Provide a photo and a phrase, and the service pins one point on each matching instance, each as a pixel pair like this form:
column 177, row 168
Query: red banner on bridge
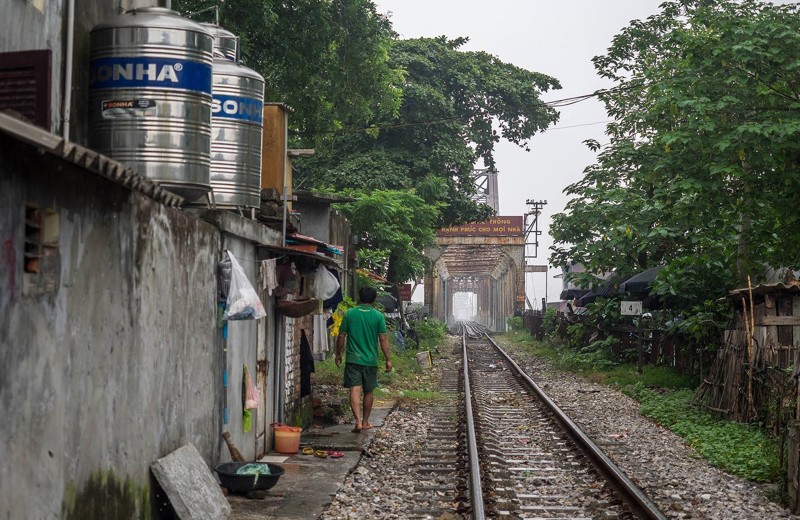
column 496, row 226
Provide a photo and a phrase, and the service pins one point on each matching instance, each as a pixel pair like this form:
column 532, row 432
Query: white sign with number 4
column 631, row 308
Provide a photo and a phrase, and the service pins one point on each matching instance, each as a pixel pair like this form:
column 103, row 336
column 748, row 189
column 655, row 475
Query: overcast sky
column 554, row 38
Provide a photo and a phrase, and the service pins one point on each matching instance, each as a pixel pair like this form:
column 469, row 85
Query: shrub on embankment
column 666, row 397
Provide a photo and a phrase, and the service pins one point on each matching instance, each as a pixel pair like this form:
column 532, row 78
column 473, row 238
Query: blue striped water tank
column 150, row 97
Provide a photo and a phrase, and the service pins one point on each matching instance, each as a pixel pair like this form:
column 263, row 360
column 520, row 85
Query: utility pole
column 532, row 234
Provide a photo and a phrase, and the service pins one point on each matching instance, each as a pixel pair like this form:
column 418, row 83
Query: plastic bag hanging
column 249, row 400
column 322, row 283
column 250, row 391
column 243, row 301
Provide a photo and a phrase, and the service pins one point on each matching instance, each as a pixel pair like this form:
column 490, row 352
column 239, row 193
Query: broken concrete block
column 190, row 486
column 424, row 360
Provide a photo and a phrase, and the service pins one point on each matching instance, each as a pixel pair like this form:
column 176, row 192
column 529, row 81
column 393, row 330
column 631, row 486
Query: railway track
column 523, row 457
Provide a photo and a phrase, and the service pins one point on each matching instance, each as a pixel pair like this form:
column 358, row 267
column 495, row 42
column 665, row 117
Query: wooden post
column 640, row 367
column 748, row 328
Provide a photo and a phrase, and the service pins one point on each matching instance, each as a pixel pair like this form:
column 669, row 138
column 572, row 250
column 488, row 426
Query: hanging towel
column 268, row 274
column 320, row 336
column 306, row 364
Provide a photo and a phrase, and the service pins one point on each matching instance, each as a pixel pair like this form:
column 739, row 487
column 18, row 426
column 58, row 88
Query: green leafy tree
column 399, row 121
column 701, row 171
column 394, row 227
column 327, row 59
column 456, row 106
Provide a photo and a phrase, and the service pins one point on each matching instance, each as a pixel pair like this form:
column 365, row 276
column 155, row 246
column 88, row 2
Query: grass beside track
column 407, row 379
column 665, row 396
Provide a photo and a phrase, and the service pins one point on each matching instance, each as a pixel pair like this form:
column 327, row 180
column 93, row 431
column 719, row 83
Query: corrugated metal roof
column 765, row 288
column 87, row 159
column 296, row 252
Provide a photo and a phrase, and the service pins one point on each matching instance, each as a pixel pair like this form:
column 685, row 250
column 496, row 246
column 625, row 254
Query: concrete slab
column 190, row 486
column 340, row 437
column 309, row 483
column 275, row 459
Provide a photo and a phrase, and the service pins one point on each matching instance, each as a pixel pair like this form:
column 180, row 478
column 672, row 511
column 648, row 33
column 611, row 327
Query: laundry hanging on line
column 268, row 275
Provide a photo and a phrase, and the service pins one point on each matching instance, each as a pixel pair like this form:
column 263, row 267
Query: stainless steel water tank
column 226, row 44
column 150, row 97
column 236, row 131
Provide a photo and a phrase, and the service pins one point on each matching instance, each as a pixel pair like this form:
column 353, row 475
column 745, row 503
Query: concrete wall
column 114, row 362
column 315, row 219
column 88, row 13
column 240, row 349
column 27, row 25
column 297, row 409
column 246, row 339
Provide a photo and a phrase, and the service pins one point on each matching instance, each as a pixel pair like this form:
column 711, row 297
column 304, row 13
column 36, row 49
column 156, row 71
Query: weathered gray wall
column 88, row 13
column 241, row 350
column 119, row 363
column 27, row 25
column 314, row 219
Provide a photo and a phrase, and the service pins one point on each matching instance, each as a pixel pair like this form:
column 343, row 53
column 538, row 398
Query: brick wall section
column 292, row 341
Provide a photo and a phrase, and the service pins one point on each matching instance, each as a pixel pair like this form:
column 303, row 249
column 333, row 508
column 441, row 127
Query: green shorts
column 360, row 375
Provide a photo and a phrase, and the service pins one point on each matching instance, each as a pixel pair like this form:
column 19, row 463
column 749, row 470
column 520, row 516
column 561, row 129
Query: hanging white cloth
column 268, row 275
column 320, row 343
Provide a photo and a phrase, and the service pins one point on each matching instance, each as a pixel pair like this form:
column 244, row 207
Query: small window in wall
column 42, row 263
column 33, row 239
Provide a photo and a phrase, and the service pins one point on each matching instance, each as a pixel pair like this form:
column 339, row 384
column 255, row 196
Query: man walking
column 363, row 328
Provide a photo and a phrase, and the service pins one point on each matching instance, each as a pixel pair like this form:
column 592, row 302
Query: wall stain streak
column 10, row 259
column 107, row 497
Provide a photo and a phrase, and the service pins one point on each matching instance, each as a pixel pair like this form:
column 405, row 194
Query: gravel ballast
column 680, row 483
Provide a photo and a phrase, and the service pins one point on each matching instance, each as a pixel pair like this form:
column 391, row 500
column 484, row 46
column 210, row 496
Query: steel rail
column 475, row 486
column 634, row 497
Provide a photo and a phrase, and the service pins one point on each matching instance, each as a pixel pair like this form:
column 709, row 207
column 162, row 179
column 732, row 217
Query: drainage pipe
column 67, row 106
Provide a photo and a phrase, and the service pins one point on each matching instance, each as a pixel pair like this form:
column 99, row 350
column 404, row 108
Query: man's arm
column 340, row 341
column 387, row 351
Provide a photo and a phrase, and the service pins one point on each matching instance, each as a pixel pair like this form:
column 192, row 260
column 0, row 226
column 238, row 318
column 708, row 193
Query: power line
column 557, row 103
column 578, row 125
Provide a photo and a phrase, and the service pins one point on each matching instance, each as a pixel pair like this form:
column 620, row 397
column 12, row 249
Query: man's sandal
column 308, row 450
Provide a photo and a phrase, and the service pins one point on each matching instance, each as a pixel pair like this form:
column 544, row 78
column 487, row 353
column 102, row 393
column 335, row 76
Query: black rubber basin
column 246, row 483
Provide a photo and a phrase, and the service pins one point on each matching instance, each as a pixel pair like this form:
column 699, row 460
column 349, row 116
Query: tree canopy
column 394, row 228
column 401, row 121
column 701, row 169
column 326, row 59
column 456, row 106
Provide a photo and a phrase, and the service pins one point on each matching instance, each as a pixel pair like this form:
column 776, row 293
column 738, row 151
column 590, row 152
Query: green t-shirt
column 362, row 325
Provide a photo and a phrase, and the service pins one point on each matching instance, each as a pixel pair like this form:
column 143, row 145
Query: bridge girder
column 490, row 267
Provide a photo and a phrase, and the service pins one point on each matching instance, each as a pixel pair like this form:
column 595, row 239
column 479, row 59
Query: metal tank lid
column 225, row 66
column 226, row 44
column 219, row 32
column 152, row 17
